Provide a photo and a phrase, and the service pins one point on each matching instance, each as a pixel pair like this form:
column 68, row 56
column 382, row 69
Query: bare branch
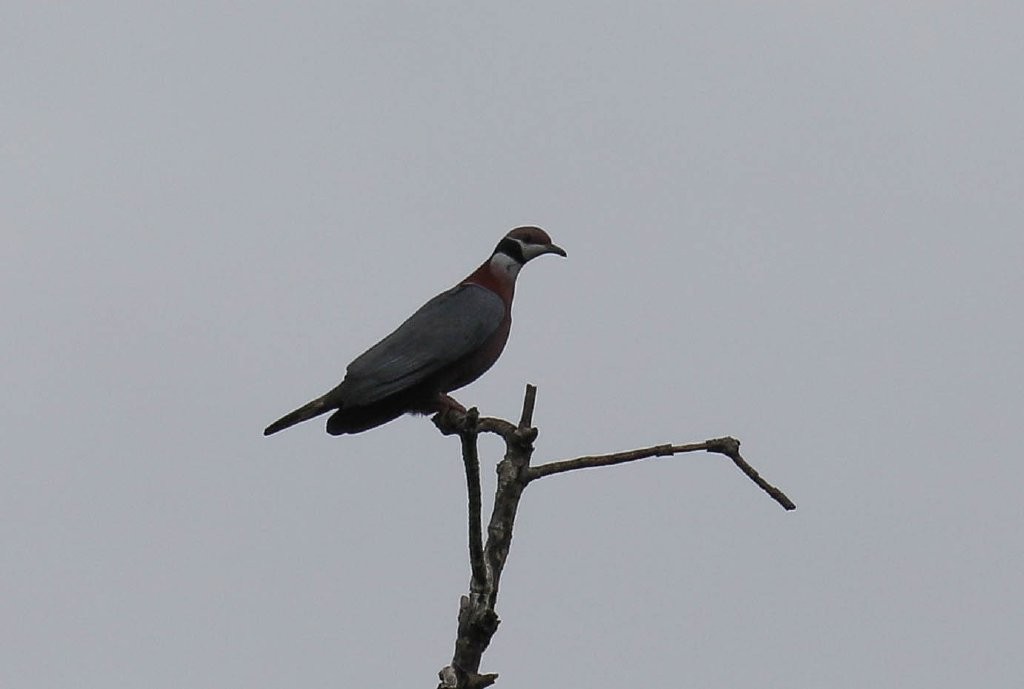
column 730, row 447
column 496, row 426
column 451, row 678
column 592, row 461
column 529, row 402
column 512, row 480
column 453, row 422
column 477, row 619
column 471, row 459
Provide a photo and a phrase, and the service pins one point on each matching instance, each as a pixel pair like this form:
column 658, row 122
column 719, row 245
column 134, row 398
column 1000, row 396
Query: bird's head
column 525, row 243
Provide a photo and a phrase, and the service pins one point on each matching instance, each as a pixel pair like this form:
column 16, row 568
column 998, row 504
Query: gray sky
column 795, row 223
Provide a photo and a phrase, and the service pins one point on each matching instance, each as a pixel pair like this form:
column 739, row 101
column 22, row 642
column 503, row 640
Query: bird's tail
column 307, row 411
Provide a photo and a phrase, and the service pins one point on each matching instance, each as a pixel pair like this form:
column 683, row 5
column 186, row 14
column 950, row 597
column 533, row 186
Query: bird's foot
column 450, row 414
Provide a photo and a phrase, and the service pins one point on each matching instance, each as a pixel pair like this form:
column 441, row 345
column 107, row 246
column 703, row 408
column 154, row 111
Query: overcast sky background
column 796, row 223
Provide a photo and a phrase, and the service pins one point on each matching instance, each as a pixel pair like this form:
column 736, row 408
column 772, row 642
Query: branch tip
column 730, row 447
column 529, row 402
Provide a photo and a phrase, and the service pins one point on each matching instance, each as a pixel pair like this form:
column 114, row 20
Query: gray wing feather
column 446, row 329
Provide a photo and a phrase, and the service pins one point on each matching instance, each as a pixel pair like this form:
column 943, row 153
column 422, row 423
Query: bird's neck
column 498, row 274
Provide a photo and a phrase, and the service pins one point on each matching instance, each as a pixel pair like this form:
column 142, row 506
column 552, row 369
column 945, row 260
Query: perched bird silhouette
column 447, row 344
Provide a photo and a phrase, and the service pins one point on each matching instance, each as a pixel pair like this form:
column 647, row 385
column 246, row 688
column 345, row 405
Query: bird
column 448, row 343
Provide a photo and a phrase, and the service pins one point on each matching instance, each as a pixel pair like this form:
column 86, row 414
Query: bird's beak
column 555, row 249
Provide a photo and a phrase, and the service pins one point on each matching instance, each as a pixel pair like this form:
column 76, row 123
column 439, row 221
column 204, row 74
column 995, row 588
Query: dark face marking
column 512, row 249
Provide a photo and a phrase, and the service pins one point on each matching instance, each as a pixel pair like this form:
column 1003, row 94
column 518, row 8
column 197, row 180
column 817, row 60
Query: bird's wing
column 446, row 329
